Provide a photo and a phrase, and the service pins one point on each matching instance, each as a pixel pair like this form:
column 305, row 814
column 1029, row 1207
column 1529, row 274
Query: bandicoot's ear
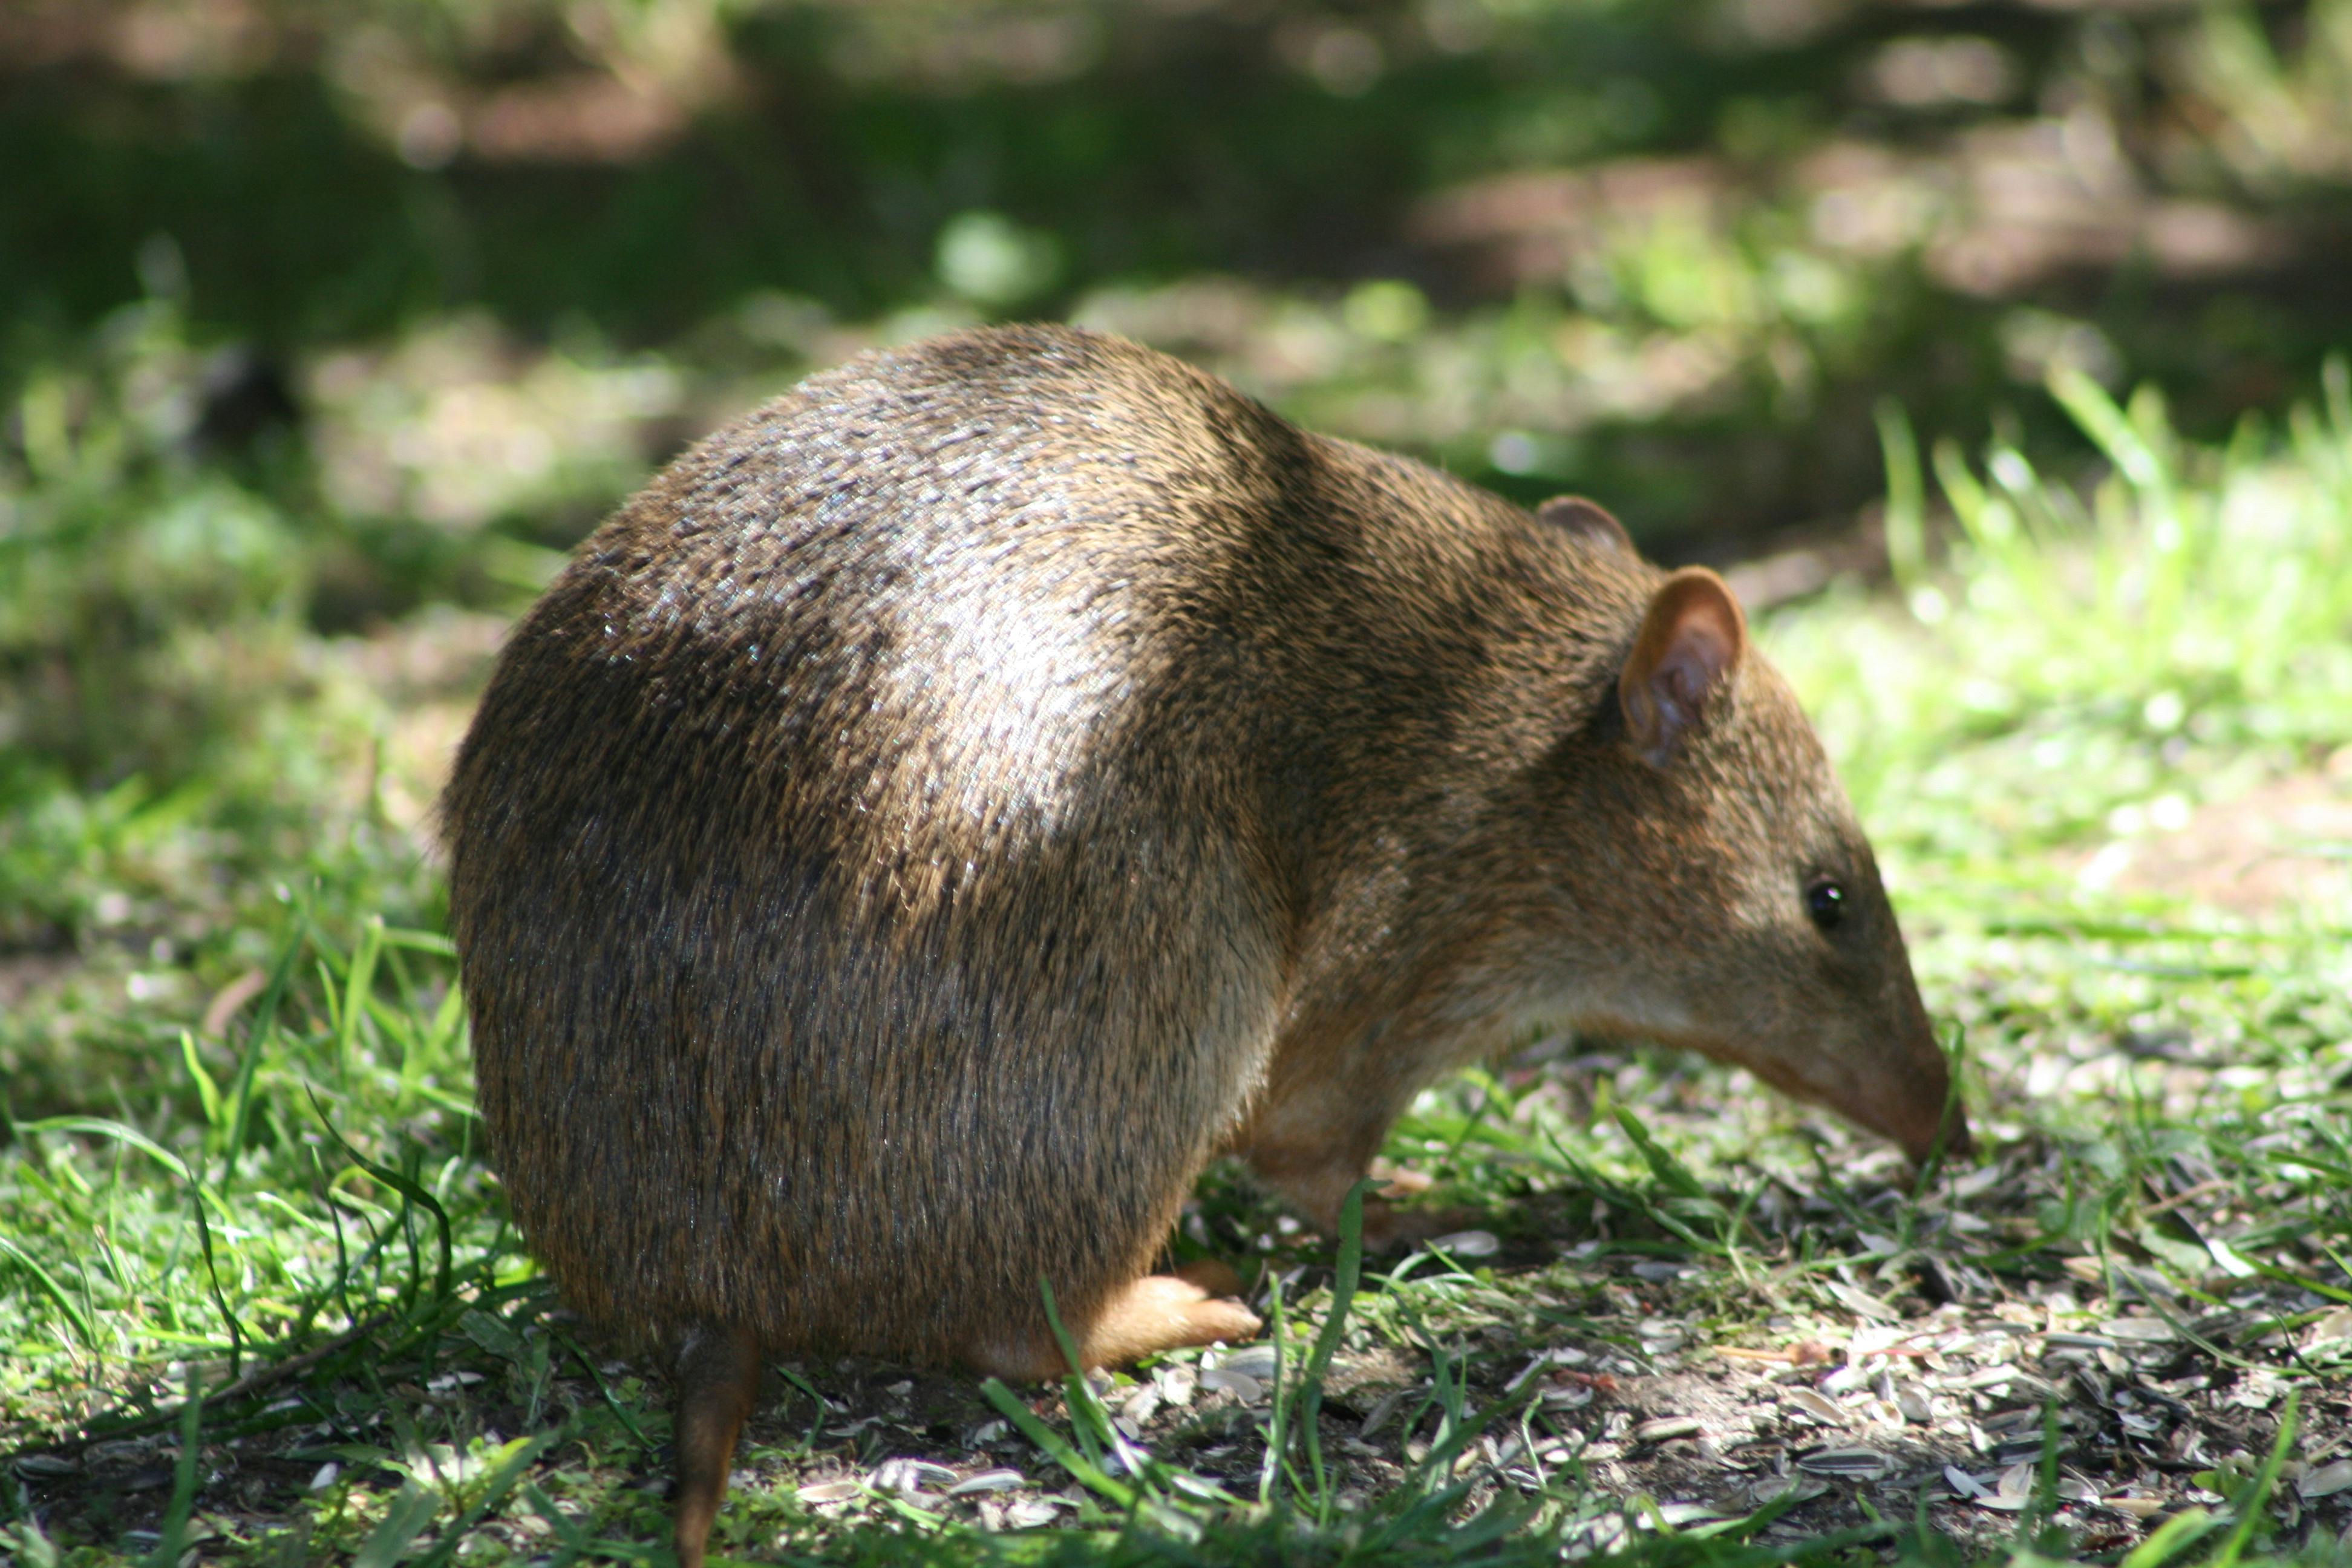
column 1588, row 521
column 1690, row 645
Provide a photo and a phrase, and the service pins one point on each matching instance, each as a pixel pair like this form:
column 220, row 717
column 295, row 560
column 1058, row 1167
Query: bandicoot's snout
column 1876, row 1064
column 1914, row 1109
column 1904, row 1093
column 1903, row 1096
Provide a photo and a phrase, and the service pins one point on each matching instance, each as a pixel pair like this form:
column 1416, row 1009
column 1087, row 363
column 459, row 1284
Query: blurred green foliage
column 1829, row 195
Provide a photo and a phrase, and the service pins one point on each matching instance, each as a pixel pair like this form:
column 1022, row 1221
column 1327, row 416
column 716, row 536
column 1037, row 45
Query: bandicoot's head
column 1717, row 889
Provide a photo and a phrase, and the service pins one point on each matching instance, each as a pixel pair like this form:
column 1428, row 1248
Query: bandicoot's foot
column 1161, row 1312
column 1157, row 1312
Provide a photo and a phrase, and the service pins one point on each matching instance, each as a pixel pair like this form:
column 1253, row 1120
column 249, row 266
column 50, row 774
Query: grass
column 259, row 1300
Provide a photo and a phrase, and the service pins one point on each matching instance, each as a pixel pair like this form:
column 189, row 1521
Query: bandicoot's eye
column 1825, row 901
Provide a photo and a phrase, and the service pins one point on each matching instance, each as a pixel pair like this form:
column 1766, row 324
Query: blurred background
column 327, row 325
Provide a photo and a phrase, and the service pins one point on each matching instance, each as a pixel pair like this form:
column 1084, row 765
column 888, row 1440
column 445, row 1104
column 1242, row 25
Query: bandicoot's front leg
column 1311, row 1148
column 1316, row 1194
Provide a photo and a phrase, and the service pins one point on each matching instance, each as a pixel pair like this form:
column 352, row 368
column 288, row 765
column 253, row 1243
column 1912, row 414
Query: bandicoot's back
column 940, row 812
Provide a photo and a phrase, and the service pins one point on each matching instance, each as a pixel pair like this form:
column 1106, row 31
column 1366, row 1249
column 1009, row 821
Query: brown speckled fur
column 943, row 810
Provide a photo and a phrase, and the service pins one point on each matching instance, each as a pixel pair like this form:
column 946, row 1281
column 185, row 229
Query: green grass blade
column 208, row 1094
column 1055, row 1446
column 2252, row 1502
column 1089, row 1423
column 265, row 1022
column 2174, row 1536
column 1906, row 495
column 1345, row 1280
column 212, row 1275
column 174, row 1526
column 408, row 1189
column 2097, row 416
column 1278, row 1425
column 413, row 1508
column 83, row 1328
column 358, row 986
column 99, row 1127
column 519, row 1456
column 1671, row 1173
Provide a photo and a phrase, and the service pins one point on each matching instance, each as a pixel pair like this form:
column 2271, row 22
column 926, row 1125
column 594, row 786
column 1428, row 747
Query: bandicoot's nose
column 1905, row 1090
column 1913, row 1105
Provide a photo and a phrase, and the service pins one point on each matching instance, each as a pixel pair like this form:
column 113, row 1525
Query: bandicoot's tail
column 717, row 1377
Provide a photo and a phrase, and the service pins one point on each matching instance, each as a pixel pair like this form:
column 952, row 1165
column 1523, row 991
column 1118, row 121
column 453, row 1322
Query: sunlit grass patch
column 2074, row 662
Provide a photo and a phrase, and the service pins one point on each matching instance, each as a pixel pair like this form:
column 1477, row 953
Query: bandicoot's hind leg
column 1157, row 1312
column 717, row 1376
